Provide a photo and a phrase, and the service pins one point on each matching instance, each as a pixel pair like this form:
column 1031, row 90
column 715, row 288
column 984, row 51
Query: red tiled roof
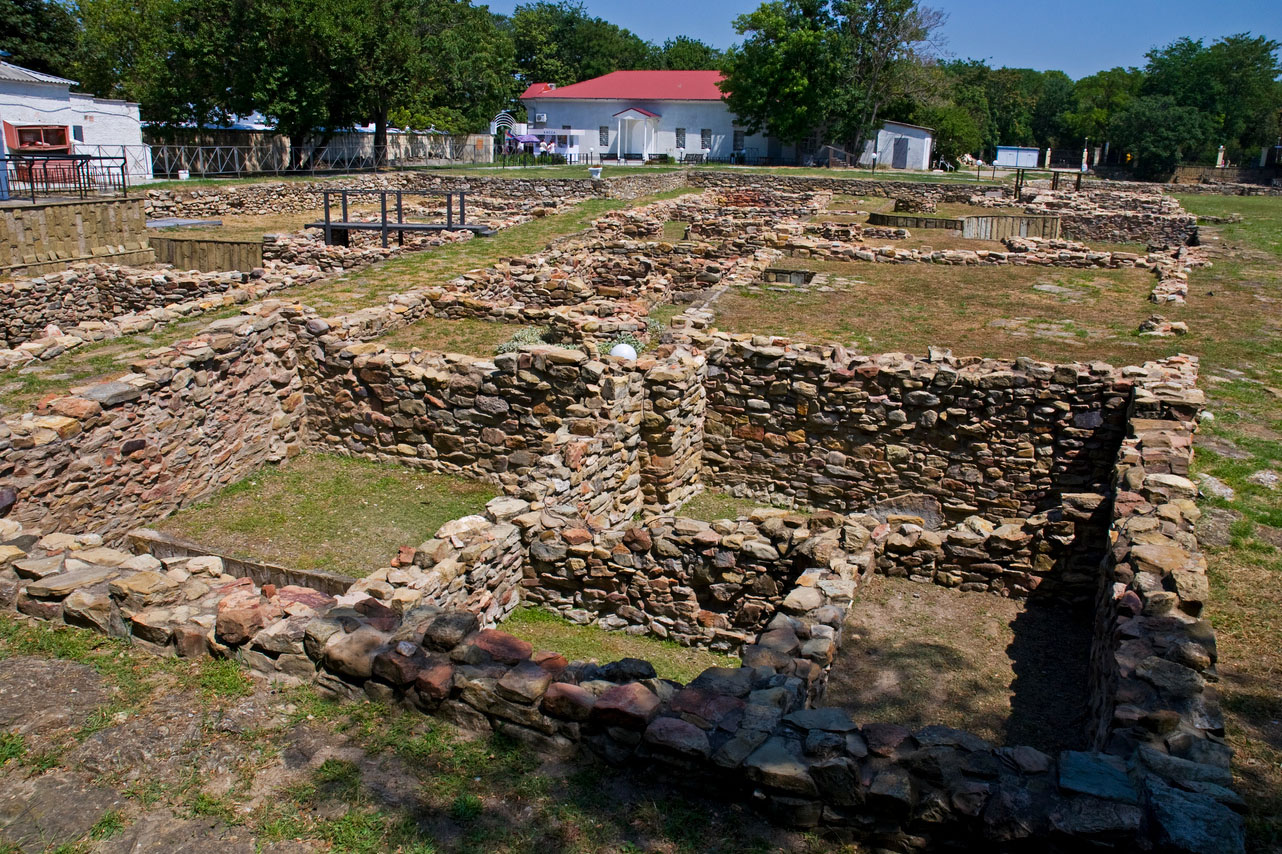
column 638, row 86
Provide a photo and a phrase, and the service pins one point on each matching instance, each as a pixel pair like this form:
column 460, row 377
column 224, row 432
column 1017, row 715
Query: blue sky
column 1079, row 38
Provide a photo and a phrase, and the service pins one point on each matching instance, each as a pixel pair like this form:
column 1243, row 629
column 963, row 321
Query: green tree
column 561, row 43
column 1160, row 134
column 808, row 67
column 1100, row 97
column 880, row 43
column 782, row 79
column 39, row 34
column 1234, row 81
column 171, row 56
column 684, row 54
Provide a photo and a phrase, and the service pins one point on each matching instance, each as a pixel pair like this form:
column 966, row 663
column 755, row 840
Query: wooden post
column 329, row 232
column 345, row 206
column 462, row 208
column 383, row 196
column 449, row 210
column 400, row 220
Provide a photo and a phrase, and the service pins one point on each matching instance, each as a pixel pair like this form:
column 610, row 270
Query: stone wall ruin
column 1023, row 479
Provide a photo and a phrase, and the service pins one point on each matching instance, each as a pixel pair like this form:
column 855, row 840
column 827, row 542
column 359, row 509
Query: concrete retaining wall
column 46, row 237
column 187, row 253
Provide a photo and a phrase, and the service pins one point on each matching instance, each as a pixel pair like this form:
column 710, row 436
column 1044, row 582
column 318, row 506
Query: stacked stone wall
column 819, row 427
column 93, row 297
column 938, row 192
column 186, row 422
column 260, row 199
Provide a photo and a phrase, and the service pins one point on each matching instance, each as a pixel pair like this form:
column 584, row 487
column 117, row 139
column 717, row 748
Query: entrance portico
column 626, row 139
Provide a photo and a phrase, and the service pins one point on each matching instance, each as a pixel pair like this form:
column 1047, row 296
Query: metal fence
column 354, row 153
column 35, row 176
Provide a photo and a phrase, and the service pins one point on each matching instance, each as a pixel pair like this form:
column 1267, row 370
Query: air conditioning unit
column 540, row 117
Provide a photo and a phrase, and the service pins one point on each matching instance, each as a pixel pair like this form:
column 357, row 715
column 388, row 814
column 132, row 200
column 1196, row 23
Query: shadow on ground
column 917, row 654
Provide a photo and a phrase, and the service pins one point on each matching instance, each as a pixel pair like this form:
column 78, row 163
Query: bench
column 692, row 158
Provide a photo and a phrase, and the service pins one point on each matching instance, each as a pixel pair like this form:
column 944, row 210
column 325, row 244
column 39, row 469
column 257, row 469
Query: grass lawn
column 371, row 285
column 21, row 388
column 467, row 335
column 548, row 630
column 713, row 504
column 1242, row 376
column 1047, row 313
column 320, row 511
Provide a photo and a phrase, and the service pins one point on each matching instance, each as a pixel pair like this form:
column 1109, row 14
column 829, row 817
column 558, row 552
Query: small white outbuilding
column 41, row 115
column 900, row 146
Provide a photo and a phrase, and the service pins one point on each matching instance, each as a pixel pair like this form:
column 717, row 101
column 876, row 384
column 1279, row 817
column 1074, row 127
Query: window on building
column 78, row 133
column 42, row 138
column 738, row 140
column 605, row 136
column 681, row 137
column 705, row 138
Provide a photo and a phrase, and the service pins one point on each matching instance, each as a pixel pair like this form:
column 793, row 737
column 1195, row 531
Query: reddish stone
column 678, row 736
column 747, row 431
column 435, row 681
column 632, row 706
column 232, row 586
column 500, row 646
column 292, row 594
column 576, row 536
column 399, row 665
column 191, row 641
column 404, row 556
column 378, row 615
column 76, row 407
column 567, row 701
column 553, row 662
column 885, row 739
column 269, row 590
column 638, row 539
column 706, row 707
column 240, row 615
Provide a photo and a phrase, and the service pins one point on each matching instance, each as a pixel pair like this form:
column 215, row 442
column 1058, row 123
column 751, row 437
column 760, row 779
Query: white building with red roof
column 638, row 115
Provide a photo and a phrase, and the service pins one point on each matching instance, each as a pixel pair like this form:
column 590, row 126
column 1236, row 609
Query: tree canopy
column 825, row 69
column 805, row 70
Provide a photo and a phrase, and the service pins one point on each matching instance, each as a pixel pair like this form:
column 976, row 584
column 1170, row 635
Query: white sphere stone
column 624, row 351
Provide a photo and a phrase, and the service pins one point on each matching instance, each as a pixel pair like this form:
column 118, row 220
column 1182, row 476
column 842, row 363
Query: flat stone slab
column 111, row 394
column 163, row 833
column 38, row 694
column 44, row 813
column 65, row 583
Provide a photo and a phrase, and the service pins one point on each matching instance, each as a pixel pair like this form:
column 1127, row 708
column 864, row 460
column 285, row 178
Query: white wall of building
column 900, row 147
column 1014, row 155
column 106, row 124
column 589, row 116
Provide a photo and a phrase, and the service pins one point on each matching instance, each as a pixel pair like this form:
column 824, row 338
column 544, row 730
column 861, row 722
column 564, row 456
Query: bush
column 523, row 338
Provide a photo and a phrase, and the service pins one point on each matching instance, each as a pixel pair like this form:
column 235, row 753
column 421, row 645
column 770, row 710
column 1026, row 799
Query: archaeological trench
column 1059, row 483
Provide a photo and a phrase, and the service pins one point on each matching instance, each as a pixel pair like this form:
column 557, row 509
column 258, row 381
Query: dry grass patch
column 467, row 335
column 1048, row 313
column 320, row 511
column 917, row 654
